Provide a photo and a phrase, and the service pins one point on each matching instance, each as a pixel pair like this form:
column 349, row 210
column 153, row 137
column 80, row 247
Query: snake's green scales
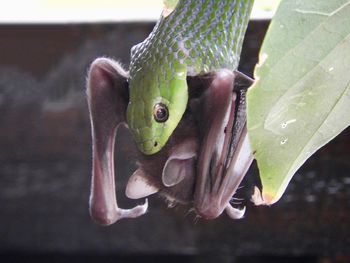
column 199, row 36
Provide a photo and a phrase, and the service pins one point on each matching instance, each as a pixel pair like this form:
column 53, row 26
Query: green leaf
column 169, row 7
column 170, row 4
column 301, row 98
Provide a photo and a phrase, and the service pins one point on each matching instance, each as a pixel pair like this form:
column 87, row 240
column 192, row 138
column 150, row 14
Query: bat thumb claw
column 235, row 213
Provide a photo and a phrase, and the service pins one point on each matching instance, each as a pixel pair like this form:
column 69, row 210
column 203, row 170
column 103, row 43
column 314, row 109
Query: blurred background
column 46, row 48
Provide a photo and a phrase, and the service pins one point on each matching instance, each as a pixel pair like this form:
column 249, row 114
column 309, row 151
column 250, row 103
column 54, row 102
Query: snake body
column 197, row 37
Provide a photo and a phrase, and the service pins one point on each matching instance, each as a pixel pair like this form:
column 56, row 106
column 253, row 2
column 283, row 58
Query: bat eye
column 160, row 112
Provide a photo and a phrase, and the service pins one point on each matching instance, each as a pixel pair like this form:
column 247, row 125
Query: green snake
column 197, row 37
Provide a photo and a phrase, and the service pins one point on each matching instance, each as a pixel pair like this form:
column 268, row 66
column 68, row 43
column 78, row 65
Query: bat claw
column 111, row 216
column 134, row 212
column 235, row 213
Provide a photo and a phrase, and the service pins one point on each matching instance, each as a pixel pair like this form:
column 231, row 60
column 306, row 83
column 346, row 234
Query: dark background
column 45, row 164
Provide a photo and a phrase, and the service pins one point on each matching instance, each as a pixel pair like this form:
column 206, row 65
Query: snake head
column 156, row 106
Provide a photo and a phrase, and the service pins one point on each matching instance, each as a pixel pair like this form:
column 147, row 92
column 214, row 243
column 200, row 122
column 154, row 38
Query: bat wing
column 107, row 92
column 224, row 154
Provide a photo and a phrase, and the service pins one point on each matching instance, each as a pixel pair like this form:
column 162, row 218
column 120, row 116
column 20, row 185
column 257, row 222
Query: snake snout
column 150, row 146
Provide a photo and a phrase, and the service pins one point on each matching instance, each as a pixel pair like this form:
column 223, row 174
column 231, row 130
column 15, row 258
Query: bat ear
column 175, row 170
column 180, row 163
column 139, row 185
column 107, row 92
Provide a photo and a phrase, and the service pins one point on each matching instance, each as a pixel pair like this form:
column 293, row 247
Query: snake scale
column 197, row 37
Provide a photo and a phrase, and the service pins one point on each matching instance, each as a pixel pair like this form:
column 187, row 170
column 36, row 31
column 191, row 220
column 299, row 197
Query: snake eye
column 160, row 112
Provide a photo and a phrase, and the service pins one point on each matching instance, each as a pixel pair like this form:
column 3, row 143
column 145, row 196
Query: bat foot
column 235, row 213
column 112, row 215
